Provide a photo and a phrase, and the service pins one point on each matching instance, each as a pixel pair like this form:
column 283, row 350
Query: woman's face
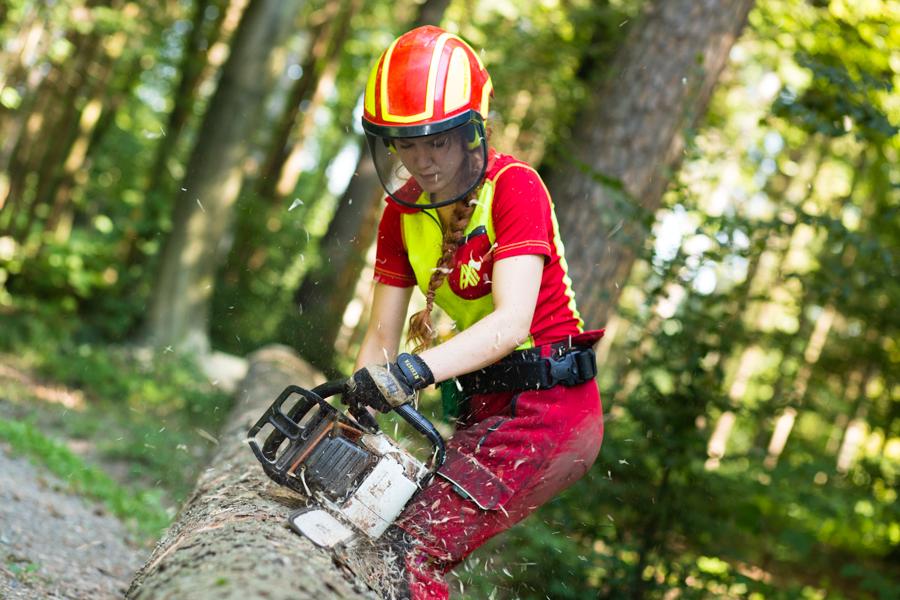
column 436, row 162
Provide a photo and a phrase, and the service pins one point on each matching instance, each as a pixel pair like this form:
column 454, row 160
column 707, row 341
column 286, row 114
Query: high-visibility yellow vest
column 423, row 237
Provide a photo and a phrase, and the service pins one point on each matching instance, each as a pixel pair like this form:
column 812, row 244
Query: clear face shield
column 446, row 166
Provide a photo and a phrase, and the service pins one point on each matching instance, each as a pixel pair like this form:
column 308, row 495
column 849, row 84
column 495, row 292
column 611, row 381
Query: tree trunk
column 63, row 214
column 327, row 289
column 49, row 129
column 327, row 39
column 289, row 168
column 17, row 60
column 193, row 63
column 196, row 67
column 179, row 308
column 103, row 93
column 630, row 136
column 230, row 539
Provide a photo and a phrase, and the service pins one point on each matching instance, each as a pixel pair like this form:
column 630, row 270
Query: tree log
column 231, row 538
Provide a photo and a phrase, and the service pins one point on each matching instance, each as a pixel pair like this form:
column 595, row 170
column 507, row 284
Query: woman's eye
column 439, row 143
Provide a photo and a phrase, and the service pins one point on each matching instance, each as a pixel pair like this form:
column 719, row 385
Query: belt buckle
column 564, row 369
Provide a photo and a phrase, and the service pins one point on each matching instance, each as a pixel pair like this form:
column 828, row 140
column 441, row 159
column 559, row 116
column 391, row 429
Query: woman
column 475, row 230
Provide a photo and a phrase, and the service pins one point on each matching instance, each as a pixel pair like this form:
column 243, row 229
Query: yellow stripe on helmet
column 370, row 86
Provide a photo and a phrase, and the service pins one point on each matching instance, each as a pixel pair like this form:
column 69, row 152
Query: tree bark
column 609, row 179
column 230, row 539
column 179, row 307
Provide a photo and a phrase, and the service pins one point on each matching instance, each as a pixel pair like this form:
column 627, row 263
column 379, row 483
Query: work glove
column 385, row 387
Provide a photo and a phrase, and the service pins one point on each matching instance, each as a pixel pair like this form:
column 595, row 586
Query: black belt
column 527, row 370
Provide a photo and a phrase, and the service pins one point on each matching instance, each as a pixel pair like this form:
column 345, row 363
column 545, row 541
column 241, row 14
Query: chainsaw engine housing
column 356, row 477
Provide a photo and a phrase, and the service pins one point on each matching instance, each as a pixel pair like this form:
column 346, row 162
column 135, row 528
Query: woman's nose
column 422, row 158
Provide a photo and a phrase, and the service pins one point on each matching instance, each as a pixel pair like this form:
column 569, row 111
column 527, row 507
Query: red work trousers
column 512, row 454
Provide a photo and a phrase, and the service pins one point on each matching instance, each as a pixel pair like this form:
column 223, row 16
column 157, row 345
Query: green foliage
column 153, row 415
column 161, row 383
column 100, row 266
column 167, row 384
column 784, row 217
column 654, row 519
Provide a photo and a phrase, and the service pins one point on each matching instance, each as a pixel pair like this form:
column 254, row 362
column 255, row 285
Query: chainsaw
column 358, row 478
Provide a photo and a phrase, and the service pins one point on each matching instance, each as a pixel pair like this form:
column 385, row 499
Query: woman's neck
column 446, row 215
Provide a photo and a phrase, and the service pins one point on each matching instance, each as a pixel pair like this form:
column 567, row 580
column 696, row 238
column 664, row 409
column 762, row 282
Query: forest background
column 187, row 177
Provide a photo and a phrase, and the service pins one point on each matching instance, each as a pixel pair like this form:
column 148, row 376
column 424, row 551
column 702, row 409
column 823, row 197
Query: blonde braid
column 421, row 333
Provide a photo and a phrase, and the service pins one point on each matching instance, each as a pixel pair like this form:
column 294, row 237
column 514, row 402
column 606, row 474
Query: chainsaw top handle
column 286, row 424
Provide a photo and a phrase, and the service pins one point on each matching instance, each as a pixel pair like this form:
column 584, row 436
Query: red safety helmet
column 428, row 82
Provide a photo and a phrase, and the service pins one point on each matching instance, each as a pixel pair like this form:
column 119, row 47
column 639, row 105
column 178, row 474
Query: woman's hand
column 385, row 387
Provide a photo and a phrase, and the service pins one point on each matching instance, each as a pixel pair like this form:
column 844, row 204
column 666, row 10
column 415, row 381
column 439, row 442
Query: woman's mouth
column 428, row 178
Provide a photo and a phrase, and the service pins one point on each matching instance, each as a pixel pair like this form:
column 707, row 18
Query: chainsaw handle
column 409, row 414
column 330, row 388
column 424, row 426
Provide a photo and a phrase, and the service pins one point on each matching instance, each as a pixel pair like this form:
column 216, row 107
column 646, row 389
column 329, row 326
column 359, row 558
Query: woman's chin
column 436, row 190
column 429, row 185
column 433, row 190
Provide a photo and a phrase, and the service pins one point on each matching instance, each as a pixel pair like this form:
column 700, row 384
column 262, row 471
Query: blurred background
column 183, row 179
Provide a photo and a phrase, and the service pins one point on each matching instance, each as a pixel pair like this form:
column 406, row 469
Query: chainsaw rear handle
column 285, row 428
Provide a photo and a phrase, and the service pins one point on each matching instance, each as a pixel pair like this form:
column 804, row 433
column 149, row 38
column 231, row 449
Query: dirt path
column 54, row 544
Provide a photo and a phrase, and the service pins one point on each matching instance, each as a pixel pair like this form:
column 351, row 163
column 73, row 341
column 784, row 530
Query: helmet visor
column 444, row 167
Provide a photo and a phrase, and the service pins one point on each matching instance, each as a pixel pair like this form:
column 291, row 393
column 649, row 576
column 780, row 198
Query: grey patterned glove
column 385, row 387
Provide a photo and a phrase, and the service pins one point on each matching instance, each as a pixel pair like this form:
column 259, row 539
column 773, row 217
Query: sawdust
column 378, row 564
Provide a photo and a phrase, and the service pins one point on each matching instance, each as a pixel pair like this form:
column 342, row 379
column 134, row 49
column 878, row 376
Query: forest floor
column 55, row 543
column 56, row 540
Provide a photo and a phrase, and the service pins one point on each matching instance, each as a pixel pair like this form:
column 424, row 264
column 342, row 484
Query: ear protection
column 476, row 138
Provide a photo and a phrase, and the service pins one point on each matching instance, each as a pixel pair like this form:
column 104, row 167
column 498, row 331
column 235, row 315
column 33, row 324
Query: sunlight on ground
column 55, row 394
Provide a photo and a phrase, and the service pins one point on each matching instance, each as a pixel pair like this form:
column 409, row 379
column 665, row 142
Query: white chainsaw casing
column 378, row 500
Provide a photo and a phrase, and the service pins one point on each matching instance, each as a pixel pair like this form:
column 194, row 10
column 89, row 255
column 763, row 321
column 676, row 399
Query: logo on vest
column 470, row 277
column 468, row 274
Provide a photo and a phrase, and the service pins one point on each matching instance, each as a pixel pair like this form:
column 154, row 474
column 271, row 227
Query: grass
column 141, row 510
column 124, row 429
